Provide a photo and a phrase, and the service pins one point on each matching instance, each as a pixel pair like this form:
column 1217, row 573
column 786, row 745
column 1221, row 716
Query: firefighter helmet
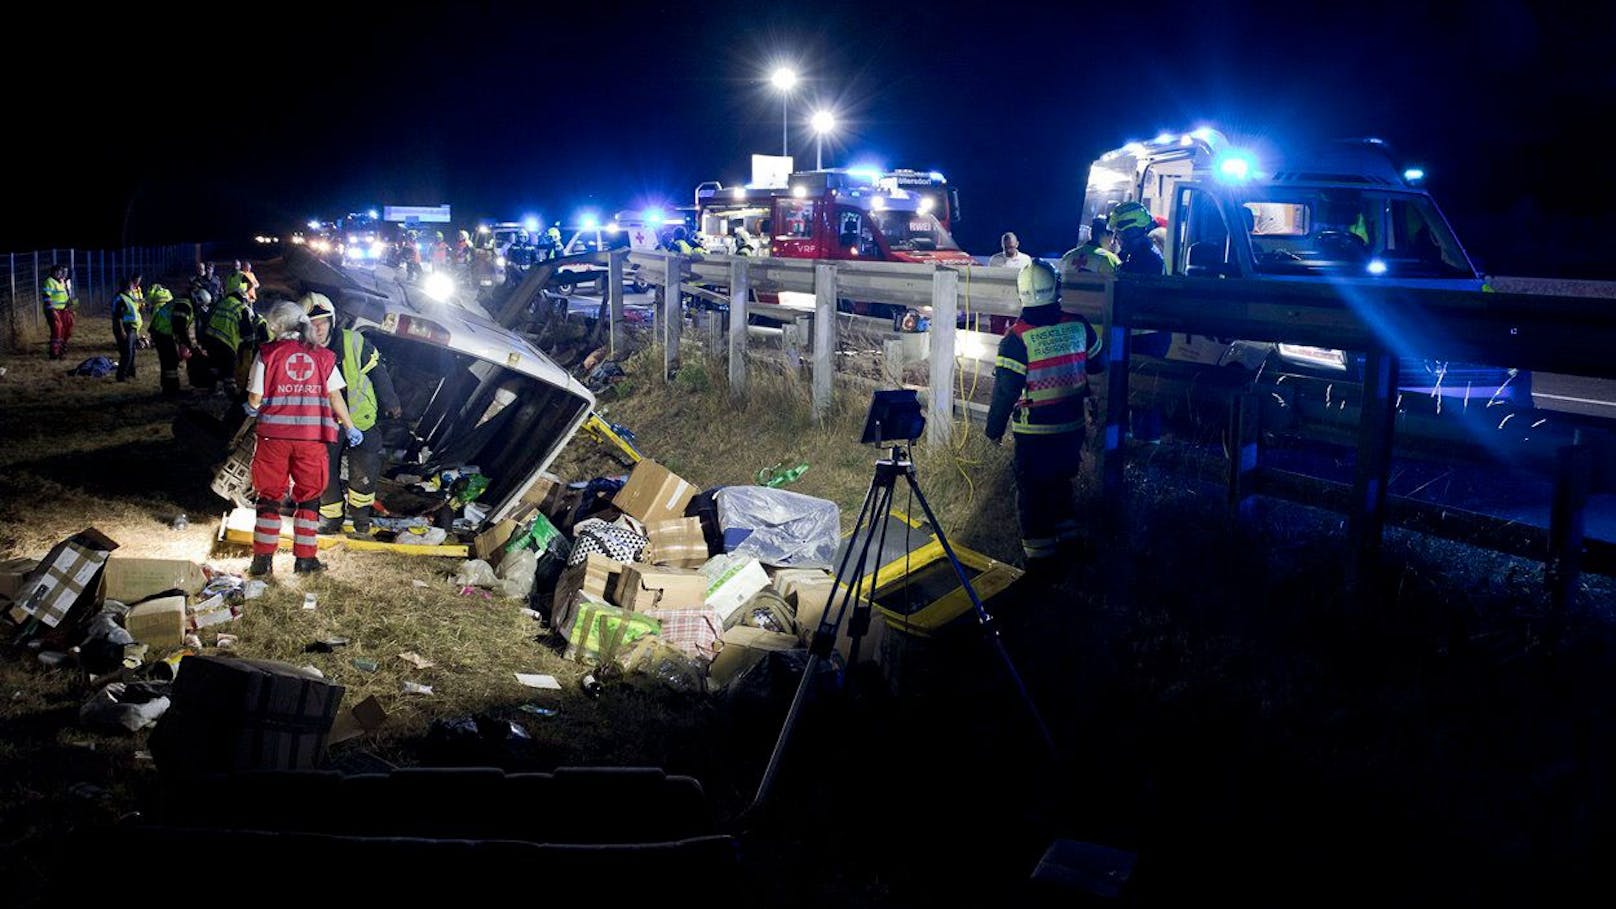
column 1038, row 284
column 159, row 294
column 1128, row 216
column 318, row 306
column 201, row 297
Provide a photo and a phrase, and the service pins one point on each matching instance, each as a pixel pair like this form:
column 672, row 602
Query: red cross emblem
column 299, row 367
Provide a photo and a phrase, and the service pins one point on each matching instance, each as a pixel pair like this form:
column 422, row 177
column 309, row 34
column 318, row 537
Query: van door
column 793, row 229
column 1198, row 232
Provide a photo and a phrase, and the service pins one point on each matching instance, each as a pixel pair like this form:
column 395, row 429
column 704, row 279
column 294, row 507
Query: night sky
column 219, row 128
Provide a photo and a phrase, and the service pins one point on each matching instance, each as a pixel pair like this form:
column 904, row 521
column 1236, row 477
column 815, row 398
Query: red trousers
column 61, row 329
column 289, row 466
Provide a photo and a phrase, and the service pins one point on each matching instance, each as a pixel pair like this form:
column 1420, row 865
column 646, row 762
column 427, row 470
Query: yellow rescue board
column 233, row 532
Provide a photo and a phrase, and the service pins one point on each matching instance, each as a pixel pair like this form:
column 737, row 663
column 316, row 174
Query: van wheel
column 566, row 288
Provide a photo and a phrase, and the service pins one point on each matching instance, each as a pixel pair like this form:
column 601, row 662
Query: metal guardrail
column 1560, row 333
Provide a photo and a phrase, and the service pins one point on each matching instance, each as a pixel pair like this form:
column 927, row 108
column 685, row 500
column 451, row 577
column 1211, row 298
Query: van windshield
column 1350, row 232
column 912, row 231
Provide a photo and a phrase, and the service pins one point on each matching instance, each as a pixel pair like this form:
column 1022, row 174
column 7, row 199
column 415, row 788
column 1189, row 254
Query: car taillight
column 422, row 330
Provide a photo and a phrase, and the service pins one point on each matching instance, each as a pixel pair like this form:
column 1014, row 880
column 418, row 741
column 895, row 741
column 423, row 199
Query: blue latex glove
column 355, row 437
column 251, row 410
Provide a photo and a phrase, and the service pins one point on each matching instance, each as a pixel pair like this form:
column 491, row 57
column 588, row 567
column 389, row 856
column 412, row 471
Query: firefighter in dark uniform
column 171, row 335
column 369, row 394
column 1040, row 383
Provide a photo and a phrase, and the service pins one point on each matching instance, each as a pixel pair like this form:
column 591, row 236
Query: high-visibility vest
column 224, row 323
column 162, row 319
column 1055, row 373
column 1093, row 257
column 296, row 403
column 130, row 316
column 361, row 392
column 55, row 293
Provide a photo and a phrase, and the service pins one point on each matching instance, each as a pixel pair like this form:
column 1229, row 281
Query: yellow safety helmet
column 157, row 293
column 1130, row 215
column 1038, row 284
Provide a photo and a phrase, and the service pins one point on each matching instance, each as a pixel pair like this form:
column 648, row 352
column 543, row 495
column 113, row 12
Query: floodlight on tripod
column 895, row 422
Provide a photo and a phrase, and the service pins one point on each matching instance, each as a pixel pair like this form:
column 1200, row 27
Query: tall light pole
column 784, row 79
column 823, row 122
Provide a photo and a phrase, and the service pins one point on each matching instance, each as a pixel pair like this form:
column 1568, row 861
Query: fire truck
column 1342, row 213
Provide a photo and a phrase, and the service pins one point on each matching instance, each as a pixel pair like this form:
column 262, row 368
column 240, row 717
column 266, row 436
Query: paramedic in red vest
column 295, row 391
column 1040, row 381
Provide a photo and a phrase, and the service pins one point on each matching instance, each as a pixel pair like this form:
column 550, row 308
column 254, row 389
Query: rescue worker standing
column 1040, row 382
column 127, row 323
column 57, row 298
column 227, row 338
column 295, row 391
column 171, row 335
column 683, row 246
column 368, row 394
column 1092, row 255
column 553, row 237
column 1132, row 224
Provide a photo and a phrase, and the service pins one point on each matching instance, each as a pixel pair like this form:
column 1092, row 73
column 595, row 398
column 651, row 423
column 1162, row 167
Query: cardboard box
column 489, row 544
column 731, row 581
column 743, row 647
column 597, row 632
column 596, row 576
column 130, row 580
column 545, row 493
column 811, row 609
column 13, row 574
column 67, row 576
column 231, row 716
column 643, row 587
column 678, row 542
column 809, row 597
column 654, row 493
column 158, row 623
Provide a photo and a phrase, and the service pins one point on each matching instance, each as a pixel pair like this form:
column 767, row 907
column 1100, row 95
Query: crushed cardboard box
column 732, row 579
column 490, row 544
column 654, row 493
column 596, row 576
column 643, row 587
column 66, row 576
column 744, row 646
column 13, row 574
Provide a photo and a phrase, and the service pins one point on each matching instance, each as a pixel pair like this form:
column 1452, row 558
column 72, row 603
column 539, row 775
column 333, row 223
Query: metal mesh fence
column 96, row 275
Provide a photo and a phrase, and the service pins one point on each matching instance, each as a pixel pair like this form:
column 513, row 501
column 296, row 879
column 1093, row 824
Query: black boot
column 308, row 565
column 262, row 566
column 329, row 527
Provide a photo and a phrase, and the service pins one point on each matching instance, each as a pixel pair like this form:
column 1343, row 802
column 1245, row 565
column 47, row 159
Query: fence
column 1534, row 331
column 97, row 276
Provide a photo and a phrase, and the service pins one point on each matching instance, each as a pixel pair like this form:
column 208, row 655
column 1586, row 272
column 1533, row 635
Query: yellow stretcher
column 237, row 527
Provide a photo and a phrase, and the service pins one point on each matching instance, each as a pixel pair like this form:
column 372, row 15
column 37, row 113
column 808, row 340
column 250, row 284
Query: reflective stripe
column 292, row 401
column 270, row 523
column 283, row 420
column 361, row 499
column 1038, row 547
column 1010, row 364
column 273, row 539
column 1045, row 429
column 55, row 294
column 305, row 524
column 331, row 509
column 361, row 392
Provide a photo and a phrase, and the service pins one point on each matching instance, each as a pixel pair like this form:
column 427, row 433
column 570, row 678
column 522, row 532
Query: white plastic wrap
column 476, row 573
column 779, row 528
column 517, row 571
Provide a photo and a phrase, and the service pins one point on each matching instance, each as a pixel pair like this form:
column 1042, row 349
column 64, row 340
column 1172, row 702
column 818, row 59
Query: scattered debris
column 415, row 688
column 416, row 660
column 533, row 680
column 325, row 645
column 538, row 710
column 365, row 665
column 121, row 707
column 310, row 601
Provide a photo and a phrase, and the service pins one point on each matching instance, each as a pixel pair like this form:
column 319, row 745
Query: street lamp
column 823, row 122
column 784, row 79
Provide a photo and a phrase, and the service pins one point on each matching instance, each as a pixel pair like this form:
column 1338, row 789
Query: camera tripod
column 849, row 586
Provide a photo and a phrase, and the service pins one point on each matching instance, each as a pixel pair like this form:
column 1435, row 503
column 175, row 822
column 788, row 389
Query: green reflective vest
column 162, row 319
column 224, row 324
column 361, row 392
column 130, row 316
column 55, row 294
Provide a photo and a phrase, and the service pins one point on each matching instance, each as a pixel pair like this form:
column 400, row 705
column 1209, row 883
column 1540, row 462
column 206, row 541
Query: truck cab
column 1345, row 213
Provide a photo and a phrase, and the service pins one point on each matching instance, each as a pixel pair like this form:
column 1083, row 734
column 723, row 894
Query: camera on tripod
column 895, row 418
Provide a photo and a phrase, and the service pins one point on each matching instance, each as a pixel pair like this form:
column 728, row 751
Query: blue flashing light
column 1234, row 165
column 866, row 173
column 1377, row 267
column 313, row 224
column 937, row 177
column 531, row 224
column 372, row 214
column 653, row 217
column 588, row 221
column 1413, row 175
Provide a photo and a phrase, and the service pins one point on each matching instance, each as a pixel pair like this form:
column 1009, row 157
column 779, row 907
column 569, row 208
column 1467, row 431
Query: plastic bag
column 121, row 707
column 517, row 571
column 779, row 528
column 476, row 573
column 767, row 610
column 656, row 660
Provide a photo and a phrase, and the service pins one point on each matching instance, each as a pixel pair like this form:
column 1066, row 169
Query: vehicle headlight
column 499, row 262
column 438, row 286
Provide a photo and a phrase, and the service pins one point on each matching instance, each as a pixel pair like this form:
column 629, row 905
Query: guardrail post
column 940, row 395
column 1118, row 347
column 672, row 314
column 739, row 290
column 1573, row 482
column 791, row 345
column 892, row 361
column 614, row 292
column 1367, row 521
column 1245, row 433
column 824, row 337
